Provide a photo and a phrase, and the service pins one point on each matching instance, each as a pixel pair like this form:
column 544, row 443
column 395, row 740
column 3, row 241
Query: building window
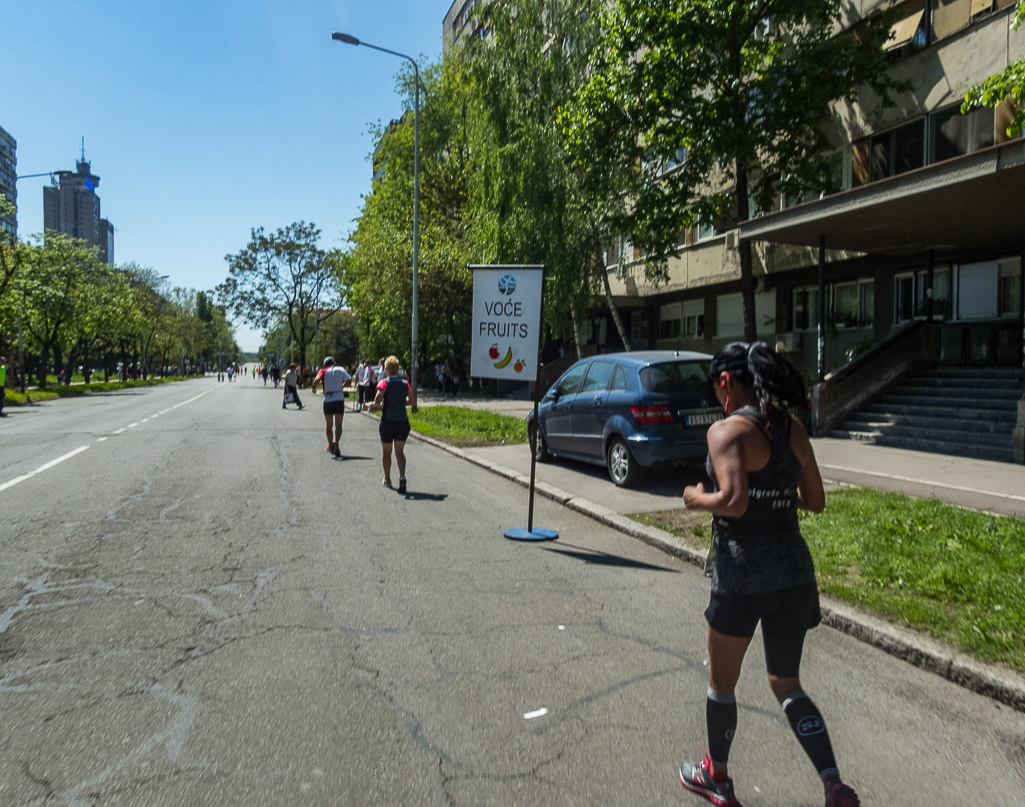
column 703, row 230
column 952, row 134
column 804, row 311
column 977, row 290
column 678, row 157
column 640, row 328
column 852, row 304
column 693, row 319
column 907, row 33
column 897, row 151
column 909, row 295
column 1009, row 288
column 669, row 321
column 729, row 315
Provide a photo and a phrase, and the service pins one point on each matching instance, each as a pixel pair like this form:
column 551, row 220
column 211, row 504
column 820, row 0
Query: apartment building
column 8, row 175
column 928, row 192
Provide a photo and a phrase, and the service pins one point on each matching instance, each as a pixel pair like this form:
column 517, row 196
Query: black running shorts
column 393, row 430
column 334, row 407
column 785, row 615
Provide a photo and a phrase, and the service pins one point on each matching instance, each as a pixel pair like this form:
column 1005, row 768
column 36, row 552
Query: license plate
column 702, row 420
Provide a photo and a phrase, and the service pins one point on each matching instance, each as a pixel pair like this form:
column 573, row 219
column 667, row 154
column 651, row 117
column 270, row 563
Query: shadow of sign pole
column 530, row 532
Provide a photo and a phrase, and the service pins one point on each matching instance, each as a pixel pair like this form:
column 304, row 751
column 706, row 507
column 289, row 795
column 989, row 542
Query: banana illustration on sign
column 504, row 362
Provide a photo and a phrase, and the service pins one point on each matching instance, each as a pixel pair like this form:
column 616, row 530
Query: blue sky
column 206, row 119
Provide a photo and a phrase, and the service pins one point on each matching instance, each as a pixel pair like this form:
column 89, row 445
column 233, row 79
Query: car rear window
column 675, row 376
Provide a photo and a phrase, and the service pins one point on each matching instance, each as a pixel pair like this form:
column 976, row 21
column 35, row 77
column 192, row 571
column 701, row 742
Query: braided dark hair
column 776, row 381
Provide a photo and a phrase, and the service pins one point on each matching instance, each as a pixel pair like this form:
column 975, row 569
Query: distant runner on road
column 393, row 393
column 291, row 387
column 763, row 471
column 3, row 385
column 334, row 379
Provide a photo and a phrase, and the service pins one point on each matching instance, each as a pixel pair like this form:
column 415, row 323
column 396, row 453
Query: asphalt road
column 205, row 608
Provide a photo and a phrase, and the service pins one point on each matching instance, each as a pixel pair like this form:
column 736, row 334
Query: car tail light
column 651, row 414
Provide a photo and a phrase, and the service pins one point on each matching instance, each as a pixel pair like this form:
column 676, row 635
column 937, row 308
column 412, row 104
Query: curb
column 997, row 683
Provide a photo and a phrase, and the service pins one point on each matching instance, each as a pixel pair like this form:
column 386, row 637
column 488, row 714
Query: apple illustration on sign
column 493, row 353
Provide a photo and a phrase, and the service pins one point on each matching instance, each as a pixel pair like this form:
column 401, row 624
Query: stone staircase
column 968, row 412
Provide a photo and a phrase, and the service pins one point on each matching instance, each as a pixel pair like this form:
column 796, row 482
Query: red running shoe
column 841, row 795
column 697, row 778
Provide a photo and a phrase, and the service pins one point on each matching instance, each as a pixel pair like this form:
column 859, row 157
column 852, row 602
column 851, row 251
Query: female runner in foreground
column 763, row 470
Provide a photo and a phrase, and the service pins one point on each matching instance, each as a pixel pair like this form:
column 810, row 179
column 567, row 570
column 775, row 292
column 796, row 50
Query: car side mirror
column 553, row 395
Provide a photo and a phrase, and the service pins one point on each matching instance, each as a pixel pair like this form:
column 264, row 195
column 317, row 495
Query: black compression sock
column 811, row 732
column 721, row 719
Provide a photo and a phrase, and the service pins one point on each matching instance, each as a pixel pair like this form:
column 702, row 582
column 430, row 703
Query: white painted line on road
column 925, row 482
column 101, row 439
column 539, row 713
column 118, row 431
column 41, row 468
column 144, row 420
column 190, row 400
column 132, row 425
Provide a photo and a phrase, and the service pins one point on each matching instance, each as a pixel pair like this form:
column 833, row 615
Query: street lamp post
column 351, row 40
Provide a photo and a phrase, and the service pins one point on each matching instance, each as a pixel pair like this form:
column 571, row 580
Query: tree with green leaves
column 527, row 200
column 1007, row 84
column 741, row 92
column 285, row 275
column 376, row 272
column 52, row 287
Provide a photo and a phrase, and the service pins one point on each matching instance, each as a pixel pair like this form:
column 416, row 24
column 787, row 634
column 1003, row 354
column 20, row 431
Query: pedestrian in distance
column 3, row 385
column 364, row 383
column 763, row 470
column 393, row 393
column 334, row 379
column 291, row 390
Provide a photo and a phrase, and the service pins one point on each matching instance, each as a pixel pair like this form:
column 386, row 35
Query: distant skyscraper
column 72, row 207
column 8, row 173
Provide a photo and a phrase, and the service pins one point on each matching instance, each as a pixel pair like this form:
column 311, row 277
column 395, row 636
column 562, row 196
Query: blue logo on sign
column 507, row 285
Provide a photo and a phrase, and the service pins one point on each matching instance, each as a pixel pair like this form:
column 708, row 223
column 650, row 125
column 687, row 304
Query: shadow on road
column 605, row 559
column 427, row 497
column 351, row 457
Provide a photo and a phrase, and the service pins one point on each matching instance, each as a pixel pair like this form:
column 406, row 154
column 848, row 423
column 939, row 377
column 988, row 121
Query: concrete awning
column 971, row 205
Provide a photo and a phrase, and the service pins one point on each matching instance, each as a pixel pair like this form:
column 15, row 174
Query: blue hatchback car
column 628, row 412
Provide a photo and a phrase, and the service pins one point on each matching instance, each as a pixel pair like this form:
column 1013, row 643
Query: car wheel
column 539, row 445
column 623, row 468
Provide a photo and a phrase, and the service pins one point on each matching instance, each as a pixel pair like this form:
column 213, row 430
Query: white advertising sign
column 506, row 321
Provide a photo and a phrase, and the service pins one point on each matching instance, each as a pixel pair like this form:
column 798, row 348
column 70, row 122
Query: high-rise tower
column 72, row 207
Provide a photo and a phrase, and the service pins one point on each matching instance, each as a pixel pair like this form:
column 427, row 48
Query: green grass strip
column 467, row 427
column 955, row 574
column 61, row 391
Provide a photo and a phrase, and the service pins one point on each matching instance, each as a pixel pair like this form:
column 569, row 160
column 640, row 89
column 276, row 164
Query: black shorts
column 786, row 616
column 393, row 430
column 334, row 407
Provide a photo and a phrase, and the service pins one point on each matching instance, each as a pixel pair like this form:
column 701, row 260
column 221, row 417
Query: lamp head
column 348, row 40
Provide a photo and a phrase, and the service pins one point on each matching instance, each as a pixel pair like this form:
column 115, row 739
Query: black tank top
column 763, row 550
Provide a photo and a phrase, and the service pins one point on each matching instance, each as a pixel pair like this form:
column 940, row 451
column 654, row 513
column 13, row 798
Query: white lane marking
column 41, row 468
column 101, row 439
column 190, row 400
column 132, row 425
column 118, row 431
column 539, row 713
column 144, row 420
column 925, row 482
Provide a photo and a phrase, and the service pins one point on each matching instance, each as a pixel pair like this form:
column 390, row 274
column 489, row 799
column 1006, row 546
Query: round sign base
column 536, row 534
